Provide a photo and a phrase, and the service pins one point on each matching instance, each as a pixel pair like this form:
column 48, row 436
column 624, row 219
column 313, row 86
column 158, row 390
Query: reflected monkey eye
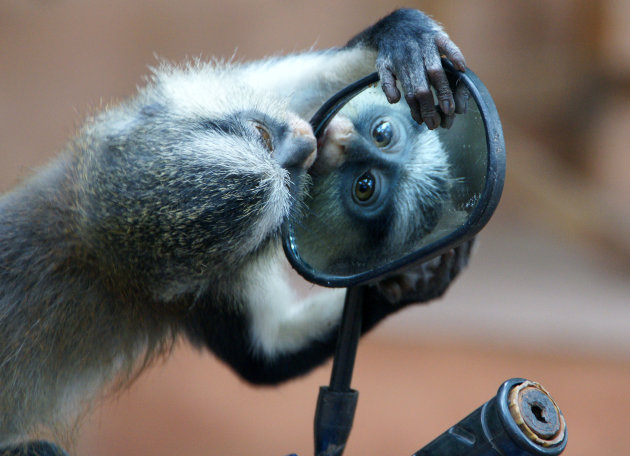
column 382, row 133
column 364, row 187
column 265, row 136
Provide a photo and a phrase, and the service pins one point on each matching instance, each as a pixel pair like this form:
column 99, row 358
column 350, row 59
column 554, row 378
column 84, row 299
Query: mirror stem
column 337, row 403
column 349, row 333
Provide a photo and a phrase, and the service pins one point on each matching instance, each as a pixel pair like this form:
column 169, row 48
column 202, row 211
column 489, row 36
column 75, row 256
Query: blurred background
column 546, row 297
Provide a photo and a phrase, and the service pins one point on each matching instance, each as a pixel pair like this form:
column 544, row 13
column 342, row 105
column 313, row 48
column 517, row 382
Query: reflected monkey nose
column 332, row 145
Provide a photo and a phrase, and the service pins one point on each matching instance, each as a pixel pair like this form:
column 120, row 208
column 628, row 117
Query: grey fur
column 149, row 204
column 155, row 200
column 162, row 216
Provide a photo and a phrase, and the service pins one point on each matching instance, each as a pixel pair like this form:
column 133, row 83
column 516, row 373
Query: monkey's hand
column 425, row 281
column 409, row 45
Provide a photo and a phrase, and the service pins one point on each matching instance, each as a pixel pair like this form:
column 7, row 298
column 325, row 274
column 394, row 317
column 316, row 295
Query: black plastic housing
column 491, row 430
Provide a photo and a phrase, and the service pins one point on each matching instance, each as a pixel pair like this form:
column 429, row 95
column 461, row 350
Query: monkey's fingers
column 466, row 251
column 388, row 80
column 462, row 95
column 443, row 277
column 391, row 290
column 417, row 80
column 420, row 99
column 416, row 66
column 447, row 120
column 444, row 272
column 461, row 255
column 450, row 51
column 439, row 81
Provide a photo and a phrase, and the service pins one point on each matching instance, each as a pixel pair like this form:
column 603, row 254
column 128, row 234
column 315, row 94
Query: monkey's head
column 380, row 180
column 190, row 178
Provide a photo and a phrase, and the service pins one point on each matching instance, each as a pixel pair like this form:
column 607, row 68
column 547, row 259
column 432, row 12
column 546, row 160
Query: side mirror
column 386, row 191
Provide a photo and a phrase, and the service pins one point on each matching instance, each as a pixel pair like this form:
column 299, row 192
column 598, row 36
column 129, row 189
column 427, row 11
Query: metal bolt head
column 539, row 413
column 536, row 414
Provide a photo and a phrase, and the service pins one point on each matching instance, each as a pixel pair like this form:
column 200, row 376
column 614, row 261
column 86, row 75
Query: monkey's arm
column 271, row 338
column 405, row 46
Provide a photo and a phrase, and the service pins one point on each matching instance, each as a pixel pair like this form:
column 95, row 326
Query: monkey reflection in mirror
column 381, row 189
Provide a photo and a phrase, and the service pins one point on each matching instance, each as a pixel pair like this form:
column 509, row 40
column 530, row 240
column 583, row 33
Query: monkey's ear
column 456, row 173
column 34, row 448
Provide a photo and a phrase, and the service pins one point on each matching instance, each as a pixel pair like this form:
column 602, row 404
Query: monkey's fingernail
column 431, row 123
column 465, row 107
column 447, row 107
column 391, row 92
column 391, row 291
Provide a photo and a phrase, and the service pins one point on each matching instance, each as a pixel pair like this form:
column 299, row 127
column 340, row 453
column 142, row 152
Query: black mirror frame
column 488, row 201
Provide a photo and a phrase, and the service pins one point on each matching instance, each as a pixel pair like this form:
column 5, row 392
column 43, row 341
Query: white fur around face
column 232, row 155
column 280, row 323
column 213, row 89
column 307, row 80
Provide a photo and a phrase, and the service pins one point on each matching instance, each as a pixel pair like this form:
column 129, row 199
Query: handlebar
column 521, row 420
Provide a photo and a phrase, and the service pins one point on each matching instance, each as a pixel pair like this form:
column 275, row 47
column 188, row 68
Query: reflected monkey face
column 385, row 191
column 380, row 179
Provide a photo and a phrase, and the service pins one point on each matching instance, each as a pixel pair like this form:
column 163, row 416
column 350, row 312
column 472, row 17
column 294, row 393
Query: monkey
column 161, row 219
column 381, row 186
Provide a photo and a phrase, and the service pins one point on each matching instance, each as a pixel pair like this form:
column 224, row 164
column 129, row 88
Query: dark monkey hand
column 410, row 46
column 424, row 281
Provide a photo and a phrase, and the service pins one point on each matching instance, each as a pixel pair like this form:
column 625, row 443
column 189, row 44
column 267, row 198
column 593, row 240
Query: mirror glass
column 384, row 187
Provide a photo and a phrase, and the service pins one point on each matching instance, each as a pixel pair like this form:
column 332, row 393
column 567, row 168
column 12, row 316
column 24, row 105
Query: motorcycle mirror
column 386, row 191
